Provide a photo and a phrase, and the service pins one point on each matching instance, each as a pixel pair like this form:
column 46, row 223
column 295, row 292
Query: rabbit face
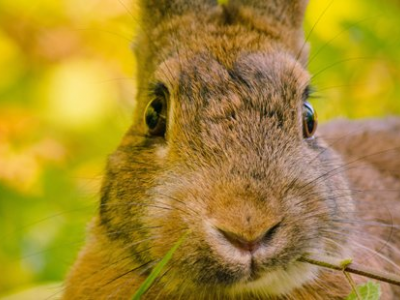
column 234, row 169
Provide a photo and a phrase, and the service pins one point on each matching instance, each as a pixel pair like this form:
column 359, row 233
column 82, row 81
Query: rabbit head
column 222, row 147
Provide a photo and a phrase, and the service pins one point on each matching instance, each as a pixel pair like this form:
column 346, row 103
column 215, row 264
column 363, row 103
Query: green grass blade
column 157, row 269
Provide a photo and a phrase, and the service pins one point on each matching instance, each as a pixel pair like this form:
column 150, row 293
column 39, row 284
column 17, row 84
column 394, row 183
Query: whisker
column 315, row 75
column 148, row 264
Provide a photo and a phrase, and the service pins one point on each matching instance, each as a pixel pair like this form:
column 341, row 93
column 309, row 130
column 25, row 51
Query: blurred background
column 66, row 97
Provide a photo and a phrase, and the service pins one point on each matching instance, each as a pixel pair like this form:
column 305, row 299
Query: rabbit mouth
column 253, row 265
column 255, row 272
column 278, row 281
column 254, row 277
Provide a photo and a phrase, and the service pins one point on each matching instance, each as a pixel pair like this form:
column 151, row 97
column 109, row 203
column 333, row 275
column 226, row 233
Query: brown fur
column 234, row 159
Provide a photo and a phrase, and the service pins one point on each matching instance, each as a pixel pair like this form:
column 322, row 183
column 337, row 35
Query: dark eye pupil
column 309, row 120
column 155, row 118
column 153, row 114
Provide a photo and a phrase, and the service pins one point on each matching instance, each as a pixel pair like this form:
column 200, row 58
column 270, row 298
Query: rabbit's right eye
column 156, row 117
column 156, row 112
column 310, row 120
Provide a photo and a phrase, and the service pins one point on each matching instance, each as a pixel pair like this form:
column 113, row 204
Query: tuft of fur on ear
column 156, row 11
column 288, row 13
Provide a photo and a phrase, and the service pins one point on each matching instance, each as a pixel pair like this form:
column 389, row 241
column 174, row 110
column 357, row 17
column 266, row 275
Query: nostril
column 269, row 234
column 244, row 244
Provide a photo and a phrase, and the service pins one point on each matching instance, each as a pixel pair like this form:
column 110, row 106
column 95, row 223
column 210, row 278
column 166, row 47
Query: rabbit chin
column 278, row 282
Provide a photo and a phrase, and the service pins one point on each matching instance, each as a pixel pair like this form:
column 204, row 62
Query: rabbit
column 224, row 151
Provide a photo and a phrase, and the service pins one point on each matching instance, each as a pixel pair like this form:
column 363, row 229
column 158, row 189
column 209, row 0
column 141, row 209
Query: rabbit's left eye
column 310, row 120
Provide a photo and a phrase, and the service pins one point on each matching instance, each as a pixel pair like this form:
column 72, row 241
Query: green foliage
column 65, row 102
column 368, row 291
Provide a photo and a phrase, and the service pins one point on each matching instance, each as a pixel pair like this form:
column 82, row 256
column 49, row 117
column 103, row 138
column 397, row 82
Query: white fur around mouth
column 279, row 282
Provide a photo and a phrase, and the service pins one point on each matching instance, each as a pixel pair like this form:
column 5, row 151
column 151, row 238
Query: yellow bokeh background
column 67, row 94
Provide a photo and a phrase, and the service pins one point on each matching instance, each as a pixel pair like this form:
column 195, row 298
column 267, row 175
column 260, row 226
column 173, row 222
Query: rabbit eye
column 155, row 117
column 310, row 120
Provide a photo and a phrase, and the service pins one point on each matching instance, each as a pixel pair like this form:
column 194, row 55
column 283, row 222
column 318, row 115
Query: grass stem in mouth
column 337, row 264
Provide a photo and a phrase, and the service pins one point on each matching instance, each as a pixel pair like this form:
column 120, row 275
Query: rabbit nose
column 246, row 244
column 240, row 242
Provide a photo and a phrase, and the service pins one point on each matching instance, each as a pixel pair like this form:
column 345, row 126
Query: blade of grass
column 158, row 268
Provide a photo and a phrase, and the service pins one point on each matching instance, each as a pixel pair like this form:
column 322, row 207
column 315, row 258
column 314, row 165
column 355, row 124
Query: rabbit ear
column 289, row 13
column 155, row 11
